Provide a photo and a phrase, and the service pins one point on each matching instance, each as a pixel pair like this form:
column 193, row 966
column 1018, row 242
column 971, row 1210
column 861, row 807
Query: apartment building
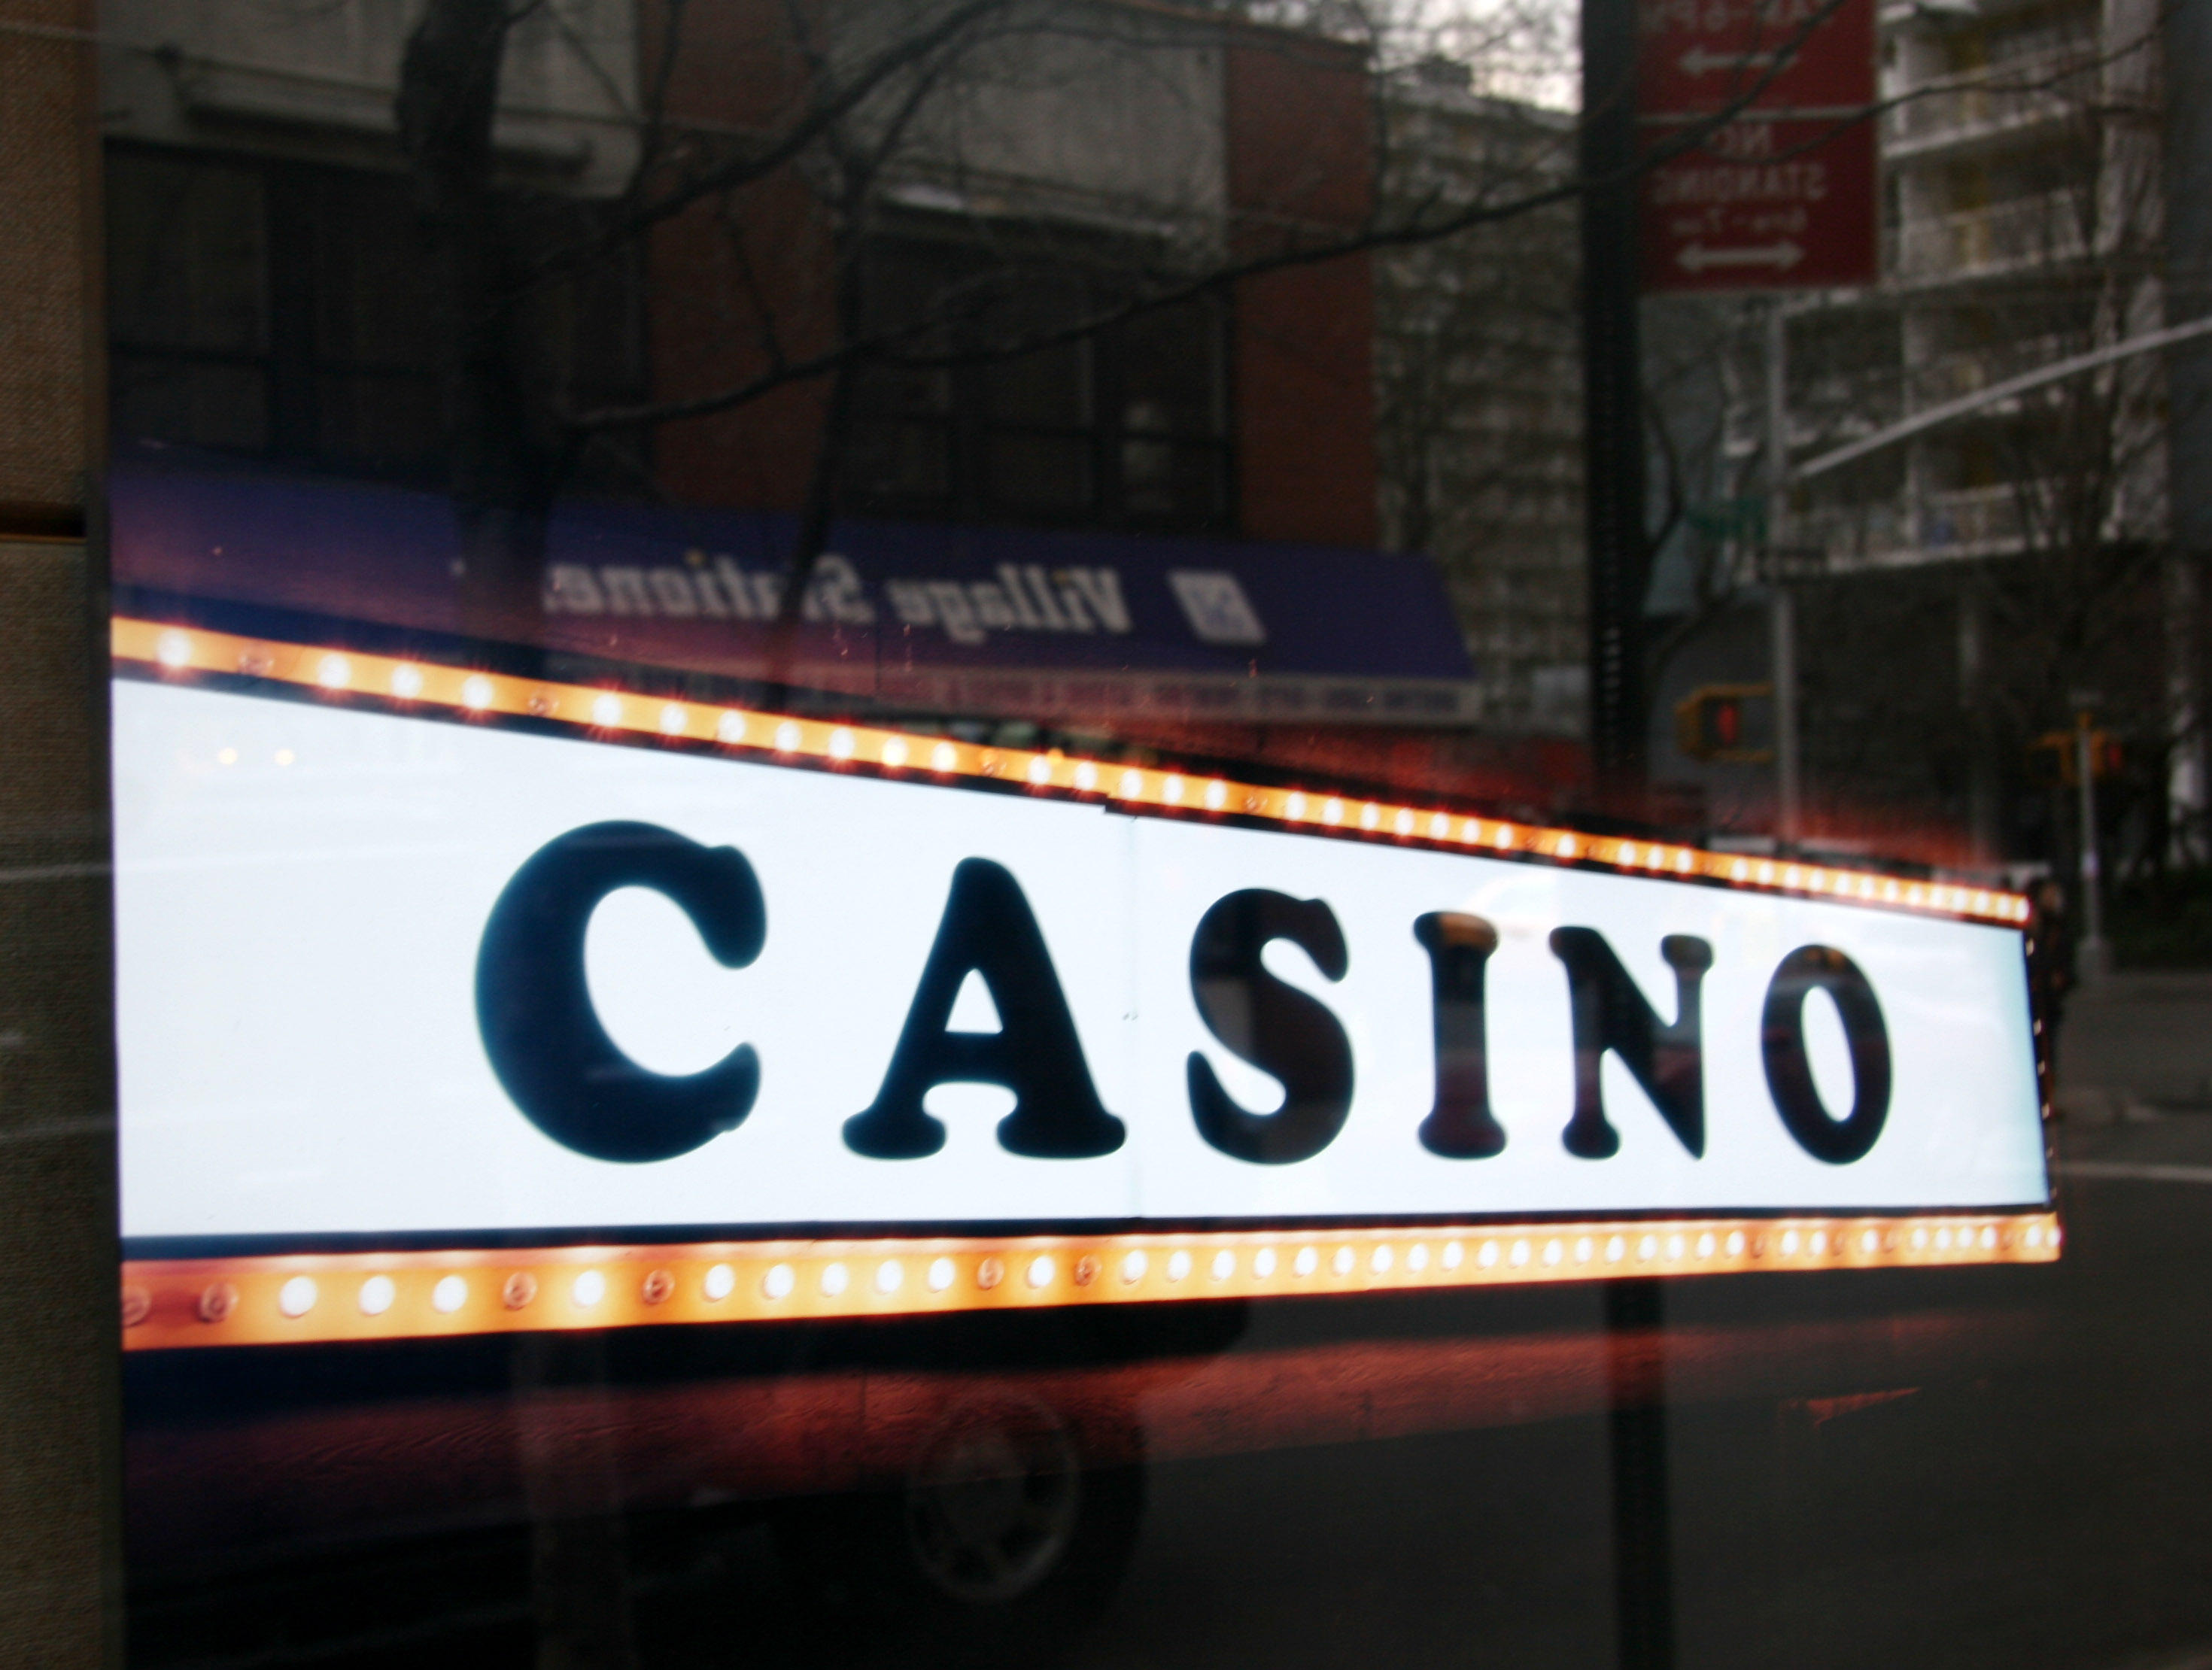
column 2013, row 562
column 1478, row 389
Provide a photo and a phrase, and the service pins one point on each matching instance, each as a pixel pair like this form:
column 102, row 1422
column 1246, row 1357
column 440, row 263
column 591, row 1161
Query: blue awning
column 1024, row 621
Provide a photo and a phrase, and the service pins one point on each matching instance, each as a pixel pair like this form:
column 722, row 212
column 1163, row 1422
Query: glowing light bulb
column 607, row 710
column 1566, row 848
column 778, row 1284
column 377, row 1294
column 1132, row 785
column 1585, row 1249
column 1471, row 831
column 788, row 736
column 1217, row 795
column 588, row 1289
column 174, row 649
column 1417, row 1257
column 1648, row 1248
column 840, row 743
column 1789, row 1241
column 836, row 1279
column 449, row 1295
column 944, row 757
column 1554, row 1252
column 1040, row 769
column 1381, row 1260
column 1403, row 822
column 722, row 1281
column 1086, row 775
column 1487, row 1257
column 894, row 752
column 941, row 1273
column 1503, row 838
column 1333, row 813
column 1455, row 1255
column 675, row 718
column 1307, row 1262
column 1263, row 1263
column 476, row 692
column 1225, row 1265
column 334, row 672
column 1519, row 1255
column 1735, row 1243
column 1342, row 1262
column 1616, row 1249
column 1370, row 816
column 1135, row 1263
column 1295, row 807
column 1819, row 1242
column 1171, row 790
column 731, row 727
column 890, row 1275
column 406, row 680
column 1707, row 1245
column 1178, row 1265
column 297, row 1297
column 1627, row 852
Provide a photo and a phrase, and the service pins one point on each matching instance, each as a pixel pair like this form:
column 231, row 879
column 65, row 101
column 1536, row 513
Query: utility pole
column 1620, row 554
column 2094, row 955
column 1781, row 605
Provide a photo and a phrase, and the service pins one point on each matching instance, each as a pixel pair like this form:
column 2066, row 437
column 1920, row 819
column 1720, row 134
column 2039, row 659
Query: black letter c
column 534, row 1006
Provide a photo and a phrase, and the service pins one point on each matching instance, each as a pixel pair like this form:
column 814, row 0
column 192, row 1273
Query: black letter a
column 1611, row 1014
column 988, row 930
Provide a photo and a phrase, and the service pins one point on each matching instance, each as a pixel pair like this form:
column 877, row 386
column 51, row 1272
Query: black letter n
column 1610, row 1014
column 988, row 930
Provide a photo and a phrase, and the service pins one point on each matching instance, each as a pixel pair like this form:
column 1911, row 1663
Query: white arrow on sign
column 1698, row 62
column 1696, row 257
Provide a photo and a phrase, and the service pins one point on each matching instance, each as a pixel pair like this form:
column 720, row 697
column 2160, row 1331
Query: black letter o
column 1789, row 1074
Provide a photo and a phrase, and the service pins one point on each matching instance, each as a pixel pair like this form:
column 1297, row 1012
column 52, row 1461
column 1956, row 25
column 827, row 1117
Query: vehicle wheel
column 1001, row 1544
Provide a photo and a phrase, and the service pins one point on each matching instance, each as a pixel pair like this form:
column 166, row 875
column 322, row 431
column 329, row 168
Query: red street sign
column 1698, row 56
column 1763, row 204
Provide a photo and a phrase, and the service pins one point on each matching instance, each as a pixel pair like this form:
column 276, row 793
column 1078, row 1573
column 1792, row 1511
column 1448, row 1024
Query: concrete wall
column 307, row 78
column 58, row 1253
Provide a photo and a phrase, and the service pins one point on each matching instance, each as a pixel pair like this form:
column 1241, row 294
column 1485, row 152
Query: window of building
column 977, row 411
column 295, row 311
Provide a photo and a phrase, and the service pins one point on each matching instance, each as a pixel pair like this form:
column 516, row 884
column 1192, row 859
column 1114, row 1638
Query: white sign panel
column 378, row 974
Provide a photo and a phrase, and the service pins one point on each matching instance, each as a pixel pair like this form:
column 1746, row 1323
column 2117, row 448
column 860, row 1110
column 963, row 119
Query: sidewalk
column 2137, row 1044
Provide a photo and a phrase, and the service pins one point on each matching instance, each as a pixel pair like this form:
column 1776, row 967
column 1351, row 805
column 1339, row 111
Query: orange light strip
column 612, row 713
column 313, row 1297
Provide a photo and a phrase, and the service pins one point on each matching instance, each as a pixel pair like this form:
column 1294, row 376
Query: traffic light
column 2053, row 754
column 1715, row 722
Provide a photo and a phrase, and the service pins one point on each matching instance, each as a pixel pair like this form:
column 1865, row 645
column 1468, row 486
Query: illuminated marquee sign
column 445, row 1027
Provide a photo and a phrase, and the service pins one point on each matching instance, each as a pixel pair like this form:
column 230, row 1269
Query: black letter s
column 534, row 1007
column 1277, row 1028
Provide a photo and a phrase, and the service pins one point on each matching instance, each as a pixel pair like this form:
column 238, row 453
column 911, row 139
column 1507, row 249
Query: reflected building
column 1985, row 574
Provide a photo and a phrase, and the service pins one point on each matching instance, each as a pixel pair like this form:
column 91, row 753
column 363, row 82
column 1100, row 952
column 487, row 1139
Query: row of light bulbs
column 340, row 672
column 1160, row 1268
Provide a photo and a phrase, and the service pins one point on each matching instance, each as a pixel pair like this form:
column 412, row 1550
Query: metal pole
column 1619, row 574
column 1619, row 559
column 2095, row 957
column 1780, row 606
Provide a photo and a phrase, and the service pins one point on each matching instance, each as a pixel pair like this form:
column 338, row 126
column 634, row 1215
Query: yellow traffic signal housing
column 2053, row 754
column 1710, row 723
